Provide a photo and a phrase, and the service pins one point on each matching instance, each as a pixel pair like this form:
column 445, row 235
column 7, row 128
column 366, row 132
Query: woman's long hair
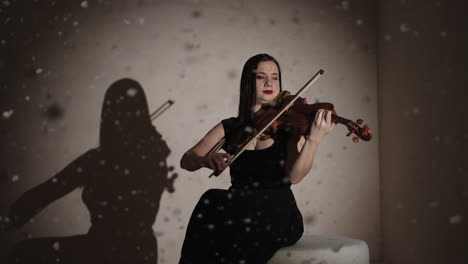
column 125, row 116
column 248, row 86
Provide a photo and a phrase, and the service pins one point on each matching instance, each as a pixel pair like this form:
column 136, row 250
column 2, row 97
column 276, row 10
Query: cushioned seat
column 312, row 249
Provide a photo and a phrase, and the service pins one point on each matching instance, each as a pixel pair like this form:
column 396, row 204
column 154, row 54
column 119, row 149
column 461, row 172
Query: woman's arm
column 301, row 150
column 195, row 158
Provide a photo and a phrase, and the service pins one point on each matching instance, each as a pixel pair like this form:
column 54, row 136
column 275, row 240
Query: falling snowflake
column 404, row 28
column 15, row 178
column 248, row 129
column 132, row 92
column 443, row 34
column 84, row 4
column 433, row 204
column 456, row 219
column 56, row 246
column 345, row 5
column 388, row 37
column 359, row 22
column 8, row 114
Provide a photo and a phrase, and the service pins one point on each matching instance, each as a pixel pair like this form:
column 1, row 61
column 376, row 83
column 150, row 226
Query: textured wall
column 58, row 63
column 423, row 132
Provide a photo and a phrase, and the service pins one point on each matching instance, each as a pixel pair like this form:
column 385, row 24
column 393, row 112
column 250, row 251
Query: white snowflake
column 132, row 92
column 56, row 245
column 456, row 219
column 84, row 4
column 8, row 114
column 345, row 4
column 404, row 28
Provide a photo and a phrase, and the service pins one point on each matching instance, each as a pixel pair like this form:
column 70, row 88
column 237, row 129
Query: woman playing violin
column 258, row 214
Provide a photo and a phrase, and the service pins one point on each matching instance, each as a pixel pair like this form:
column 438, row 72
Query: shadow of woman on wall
column 122, row 181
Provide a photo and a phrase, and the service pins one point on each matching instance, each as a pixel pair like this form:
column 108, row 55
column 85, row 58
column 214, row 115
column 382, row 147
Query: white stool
column 323, row 250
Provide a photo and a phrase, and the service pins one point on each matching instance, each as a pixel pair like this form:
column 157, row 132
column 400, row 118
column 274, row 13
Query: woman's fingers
column 328, row 117
column 218, row 161
column 319, row 116
column 228, row 158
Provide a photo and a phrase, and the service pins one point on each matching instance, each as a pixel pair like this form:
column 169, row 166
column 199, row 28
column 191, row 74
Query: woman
column 258, row 214
column 122, row 181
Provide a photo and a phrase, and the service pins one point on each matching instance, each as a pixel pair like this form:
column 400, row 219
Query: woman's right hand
column 216, row 161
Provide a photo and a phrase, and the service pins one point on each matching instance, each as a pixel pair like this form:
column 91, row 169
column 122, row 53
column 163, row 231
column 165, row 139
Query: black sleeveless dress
column 250, row 221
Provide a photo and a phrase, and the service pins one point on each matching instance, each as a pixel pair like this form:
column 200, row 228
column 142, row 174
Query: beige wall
column 192, row 52
column 423, row 132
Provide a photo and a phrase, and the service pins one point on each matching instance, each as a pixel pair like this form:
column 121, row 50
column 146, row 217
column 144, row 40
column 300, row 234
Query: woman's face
column 267, row 82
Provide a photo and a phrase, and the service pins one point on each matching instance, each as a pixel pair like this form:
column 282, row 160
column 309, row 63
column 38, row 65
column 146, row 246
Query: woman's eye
column 259, row 77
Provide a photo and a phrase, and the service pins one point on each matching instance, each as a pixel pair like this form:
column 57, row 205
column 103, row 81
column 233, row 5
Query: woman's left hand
column 321, row 126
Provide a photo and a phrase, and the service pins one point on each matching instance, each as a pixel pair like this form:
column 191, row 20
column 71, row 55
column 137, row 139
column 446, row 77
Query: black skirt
column 241, row 226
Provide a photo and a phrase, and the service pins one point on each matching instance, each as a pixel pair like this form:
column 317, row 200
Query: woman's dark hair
column 248, row 86
column 125, row 115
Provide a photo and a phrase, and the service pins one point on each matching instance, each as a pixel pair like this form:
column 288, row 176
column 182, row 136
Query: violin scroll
column 361, row 132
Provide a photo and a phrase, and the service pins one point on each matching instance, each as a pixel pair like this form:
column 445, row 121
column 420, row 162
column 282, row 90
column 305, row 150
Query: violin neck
column 341, row 120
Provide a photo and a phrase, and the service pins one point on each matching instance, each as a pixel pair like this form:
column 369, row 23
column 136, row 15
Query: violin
column 288, row 112
column 298, row 118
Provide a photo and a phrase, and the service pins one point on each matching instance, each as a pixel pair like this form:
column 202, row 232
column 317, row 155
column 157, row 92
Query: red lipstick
column 268, row 91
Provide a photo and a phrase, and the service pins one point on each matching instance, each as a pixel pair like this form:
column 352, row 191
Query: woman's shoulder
column 230, row 122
